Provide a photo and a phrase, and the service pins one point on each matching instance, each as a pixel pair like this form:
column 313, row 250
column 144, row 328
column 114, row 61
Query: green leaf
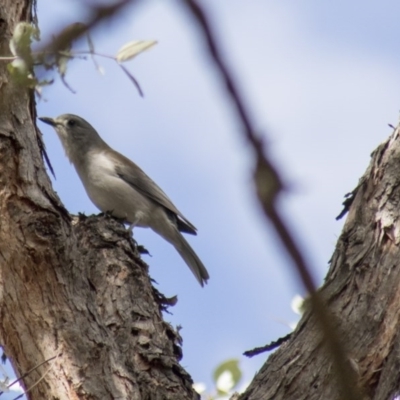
column 227, row 375
column 132, row 49
column 62, row 65
column 20, row 43
column 90, row 42
column 298, row 304
column 20, row 73
column 99, row 68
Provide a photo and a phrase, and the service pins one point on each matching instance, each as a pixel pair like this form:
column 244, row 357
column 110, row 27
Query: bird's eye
column 71, row 122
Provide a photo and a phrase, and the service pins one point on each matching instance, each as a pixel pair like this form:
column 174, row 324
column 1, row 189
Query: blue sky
column 322, row 82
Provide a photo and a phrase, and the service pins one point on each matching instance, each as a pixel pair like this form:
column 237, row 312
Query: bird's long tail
column 191, row 259
column 170, row 233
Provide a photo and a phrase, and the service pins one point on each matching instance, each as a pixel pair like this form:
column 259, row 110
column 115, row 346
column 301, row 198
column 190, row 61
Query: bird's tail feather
column 191, row 259
column 170, row 233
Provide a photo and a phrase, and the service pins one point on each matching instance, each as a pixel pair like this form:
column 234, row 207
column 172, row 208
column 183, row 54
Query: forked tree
column 81, row 320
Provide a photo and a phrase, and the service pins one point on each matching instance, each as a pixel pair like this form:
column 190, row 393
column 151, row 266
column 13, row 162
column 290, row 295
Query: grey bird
column 116, row 185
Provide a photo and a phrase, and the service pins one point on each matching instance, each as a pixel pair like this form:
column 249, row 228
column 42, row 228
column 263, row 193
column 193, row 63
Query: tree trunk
column 362, row 290
column 74, row 289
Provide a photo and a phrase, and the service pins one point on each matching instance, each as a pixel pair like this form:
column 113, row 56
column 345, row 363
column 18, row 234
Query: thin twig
column 132, row 78
column 93, row 53
column 269, row 185
column 31, row 370
column 268, row 347
column 41, row 378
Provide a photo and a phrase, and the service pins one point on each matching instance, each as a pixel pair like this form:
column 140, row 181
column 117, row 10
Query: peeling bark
column 72, row 288
column 362, row 291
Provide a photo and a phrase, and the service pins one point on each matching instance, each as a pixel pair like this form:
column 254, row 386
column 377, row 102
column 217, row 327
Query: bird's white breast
column 111, row 193
column 100, row 166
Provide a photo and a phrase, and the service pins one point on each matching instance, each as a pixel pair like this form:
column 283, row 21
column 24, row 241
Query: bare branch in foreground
column 269, row 185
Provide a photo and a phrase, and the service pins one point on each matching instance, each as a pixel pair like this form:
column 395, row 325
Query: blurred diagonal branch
column 269, row 185
column 99, row 13
column 57, row 52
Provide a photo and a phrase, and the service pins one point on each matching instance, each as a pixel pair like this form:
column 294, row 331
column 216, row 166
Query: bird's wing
column 136, row 177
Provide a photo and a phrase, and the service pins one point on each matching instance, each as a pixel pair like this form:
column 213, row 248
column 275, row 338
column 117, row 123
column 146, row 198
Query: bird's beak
column 49, row 121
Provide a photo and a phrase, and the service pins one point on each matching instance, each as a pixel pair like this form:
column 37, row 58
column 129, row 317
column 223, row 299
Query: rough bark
column 362, row 291
column 71, row 288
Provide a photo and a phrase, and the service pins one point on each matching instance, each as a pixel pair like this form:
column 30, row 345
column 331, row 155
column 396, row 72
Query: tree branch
column 269, row 185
